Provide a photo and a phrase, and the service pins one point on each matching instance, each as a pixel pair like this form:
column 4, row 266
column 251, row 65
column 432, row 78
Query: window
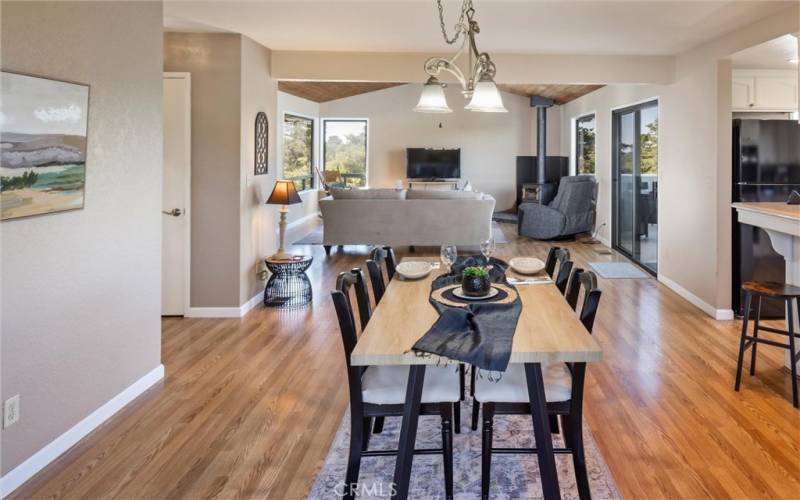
column 584, row 145
column 345, row 150
column 298, row 151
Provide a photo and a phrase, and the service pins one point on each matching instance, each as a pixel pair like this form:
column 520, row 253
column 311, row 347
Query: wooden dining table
column 548, row 331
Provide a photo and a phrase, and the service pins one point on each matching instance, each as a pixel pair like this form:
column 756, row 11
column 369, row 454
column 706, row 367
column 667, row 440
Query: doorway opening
column 635, row 183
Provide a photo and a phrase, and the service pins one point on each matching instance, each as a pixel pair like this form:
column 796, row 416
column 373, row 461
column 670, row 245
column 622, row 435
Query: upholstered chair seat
column 386, row 385
column 513, row 387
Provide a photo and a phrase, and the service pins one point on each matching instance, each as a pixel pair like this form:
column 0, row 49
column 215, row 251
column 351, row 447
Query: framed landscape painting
column 43, row 128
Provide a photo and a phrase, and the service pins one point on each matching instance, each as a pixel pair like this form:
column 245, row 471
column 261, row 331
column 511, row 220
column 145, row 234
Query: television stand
column 431, row 184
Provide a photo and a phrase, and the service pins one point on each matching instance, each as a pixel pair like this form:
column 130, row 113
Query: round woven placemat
column 443, row 296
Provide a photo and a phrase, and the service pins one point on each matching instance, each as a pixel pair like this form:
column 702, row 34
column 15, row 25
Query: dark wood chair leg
column 457, row 417
column 486, row 449
column 748, row 298
column 378, row 427
column 354, row 457
column 541, row 431
column 554, row 424
column 755, row 335
column 327, row 250
column 446, row 409
column 476, row 406
column 792, row 364
column 573, row 427
column 367, row 428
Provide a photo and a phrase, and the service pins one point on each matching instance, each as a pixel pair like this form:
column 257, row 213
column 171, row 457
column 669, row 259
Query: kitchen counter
column 782, row 224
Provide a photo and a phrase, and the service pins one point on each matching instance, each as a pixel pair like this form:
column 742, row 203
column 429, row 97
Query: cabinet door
column 743, row 92
column 776, row 93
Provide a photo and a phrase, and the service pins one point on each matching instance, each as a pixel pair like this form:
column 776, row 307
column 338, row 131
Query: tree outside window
column 298, row 151
column 585, row 132
column 345, row 150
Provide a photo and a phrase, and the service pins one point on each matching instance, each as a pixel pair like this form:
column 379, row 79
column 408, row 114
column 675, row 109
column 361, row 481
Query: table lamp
column 283, row 194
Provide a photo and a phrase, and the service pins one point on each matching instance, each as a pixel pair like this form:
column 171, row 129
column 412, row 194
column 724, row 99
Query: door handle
column 175, row 212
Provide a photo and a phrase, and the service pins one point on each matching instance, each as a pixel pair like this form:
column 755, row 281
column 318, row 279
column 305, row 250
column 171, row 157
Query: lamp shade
column 486, row 98
column 432, row 99
column 284, row 193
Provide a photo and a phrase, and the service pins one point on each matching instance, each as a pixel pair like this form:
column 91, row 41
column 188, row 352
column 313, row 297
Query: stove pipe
column 541, row 104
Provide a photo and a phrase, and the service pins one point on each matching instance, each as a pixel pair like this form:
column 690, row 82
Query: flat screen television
column 424, row 163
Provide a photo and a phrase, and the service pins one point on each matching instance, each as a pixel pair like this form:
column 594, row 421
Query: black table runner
column 479, row 333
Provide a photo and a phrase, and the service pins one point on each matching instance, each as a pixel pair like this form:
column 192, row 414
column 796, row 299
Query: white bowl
column 526, row 265
column 414, row 270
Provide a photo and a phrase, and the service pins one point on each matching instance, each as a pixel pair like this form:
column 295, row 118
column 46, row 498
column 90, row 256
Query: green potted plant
column 475, row 282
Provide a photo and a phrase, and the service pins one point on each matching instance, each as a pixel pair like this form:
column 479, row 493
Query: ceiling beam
column 511, row 68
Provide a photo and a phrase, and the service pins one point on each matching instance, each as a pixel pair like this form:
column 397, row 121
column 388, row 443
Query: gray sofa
column 397, row 217
column 572, row 211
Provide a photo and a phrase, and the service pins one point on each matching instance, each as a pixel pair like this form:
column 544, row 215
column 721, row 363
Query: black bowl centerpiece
column 475, row 282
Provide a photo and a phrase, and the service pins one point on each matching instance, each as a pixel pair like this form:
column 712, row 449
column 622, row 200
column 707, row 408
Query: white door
column 777, row 93
column 175, row 221
column 743, row 88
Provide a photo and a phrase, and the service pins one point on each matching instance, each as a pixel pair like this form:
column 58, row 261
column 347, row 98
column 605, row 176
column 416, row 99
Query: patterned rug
column 315, row 236
column 513, row 476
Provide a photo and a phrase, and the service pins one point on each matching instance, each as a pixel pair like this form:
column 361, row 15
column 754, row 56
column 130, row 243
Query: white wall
column 489, row 142
column 294, row 105
column 82, row 289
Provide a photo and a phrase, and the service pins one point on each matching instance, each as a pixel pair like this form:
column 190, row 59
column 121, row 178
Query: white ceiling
column 585, row 27
column 774, row 54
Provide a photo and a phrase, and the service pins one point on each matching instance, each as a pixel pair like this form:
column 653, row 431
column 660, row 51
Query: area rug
column 315, row 236
column 513, row 476
column 505, row 217
column 617, row 270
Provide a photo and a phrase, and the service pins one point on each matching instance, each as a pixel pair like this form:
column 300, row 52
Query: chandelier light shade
column 477, row 85
column 432, row 99
column 486, row 98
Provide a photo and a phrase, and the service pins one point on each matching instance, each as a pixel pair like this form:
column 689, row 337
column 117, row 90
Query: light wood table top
column 548, row 329
column 778, row 209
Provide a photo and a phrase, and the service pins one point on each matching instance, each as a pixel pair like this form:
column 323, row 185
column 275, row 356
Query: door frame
column 615, row 111
column 187, row 77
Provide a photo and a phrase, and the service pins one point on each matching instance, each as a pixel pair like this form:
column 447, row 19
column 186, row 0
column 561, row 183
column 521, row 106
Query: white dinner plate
column 458, row 292
column 526, row 265
column 414, row 270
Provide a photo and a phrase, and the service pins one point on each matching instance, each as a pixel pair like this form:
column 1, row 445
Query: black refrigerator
column 766, row 167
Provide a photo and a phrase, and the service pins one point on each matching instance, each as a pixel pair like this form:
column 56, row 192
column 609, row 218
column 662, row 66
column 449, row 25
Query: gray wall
column 81, row 292
column 214, row 60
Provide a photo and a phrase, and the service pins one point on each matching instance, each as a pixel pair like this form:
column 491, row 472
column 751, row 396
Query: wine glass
column 488, row 248
column 448, row 254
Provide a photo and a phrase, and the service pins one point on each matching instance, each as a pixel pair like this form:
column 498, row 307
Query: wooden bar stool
column 773, row 290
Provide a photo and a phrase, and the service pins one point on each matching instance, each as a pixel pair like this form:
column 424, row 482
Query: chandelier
column 478, row 85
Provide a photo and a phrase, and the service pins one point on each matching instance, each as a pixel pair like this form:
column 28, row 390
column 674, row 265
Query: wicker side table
column 288, row 286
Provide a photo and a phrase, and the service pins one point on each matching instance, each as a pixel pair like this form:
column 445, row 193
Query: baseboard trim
column 604, row 241
column 226, row 312
column 39, row 460
column 718, row 314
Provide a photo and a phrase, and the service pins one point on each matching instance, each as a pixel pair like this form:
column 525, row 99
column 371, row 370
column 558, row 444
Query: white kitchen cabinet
column 764, row 90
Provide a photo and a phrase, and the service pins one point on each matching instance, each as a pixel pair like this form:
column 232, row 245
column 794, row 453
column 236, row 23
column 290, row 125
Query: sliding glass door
column 635, row 190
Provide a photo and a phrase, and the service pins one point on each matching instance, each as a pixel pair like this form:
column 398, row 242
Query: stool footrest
column 776, row 330
column 753, row 340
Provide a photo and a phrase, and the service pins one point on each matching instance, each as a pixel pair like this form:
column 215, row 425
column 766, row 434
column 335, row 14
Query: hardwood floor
column 249, row 407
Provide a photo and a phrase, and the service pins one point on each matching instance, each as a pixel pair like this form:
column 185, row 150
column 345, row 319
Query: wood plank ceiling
column 330, row 91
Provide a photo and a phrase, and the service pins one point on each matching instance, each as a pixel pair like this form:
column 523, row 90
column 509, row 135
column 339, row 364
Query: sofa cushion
column 441, row 194
column 368, row 194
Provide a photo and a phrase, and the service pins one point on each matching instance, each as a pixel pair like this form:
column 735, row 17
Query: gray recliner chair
column 572, row 211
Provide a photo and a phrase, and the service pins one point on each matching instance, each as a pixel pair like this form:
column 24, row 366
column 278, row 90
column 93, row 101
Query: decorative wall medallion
column 262, row 138
column 43, row 129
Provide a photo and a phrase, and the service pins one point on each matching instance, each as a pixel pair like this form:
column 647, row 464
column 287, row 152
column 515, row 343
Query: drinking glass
column 488, row 248
column 448, row 254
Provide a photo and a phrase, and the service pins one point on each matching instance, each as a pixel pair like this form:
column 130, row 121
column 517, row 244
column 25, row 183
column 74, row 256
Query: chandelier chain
column 465, row 6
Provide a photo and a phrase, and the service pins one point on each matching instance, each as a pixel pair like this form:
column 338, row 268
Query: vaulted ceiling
column 330, row 91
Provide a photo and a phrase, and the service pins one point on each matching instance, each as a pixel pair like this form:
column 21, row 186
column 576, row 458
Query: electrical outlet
column 11, row 411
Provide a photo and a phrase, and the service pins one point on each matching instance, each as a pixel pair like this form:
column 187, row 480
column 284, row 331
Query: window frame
column 323, row 142
column 312, row 153
column 577, row 144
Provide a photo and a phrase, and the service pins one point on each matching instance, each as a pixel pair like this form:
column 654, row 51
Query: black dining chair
column 559, row 256
column 564, row 392
column 378, row 257
column 380, row 391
